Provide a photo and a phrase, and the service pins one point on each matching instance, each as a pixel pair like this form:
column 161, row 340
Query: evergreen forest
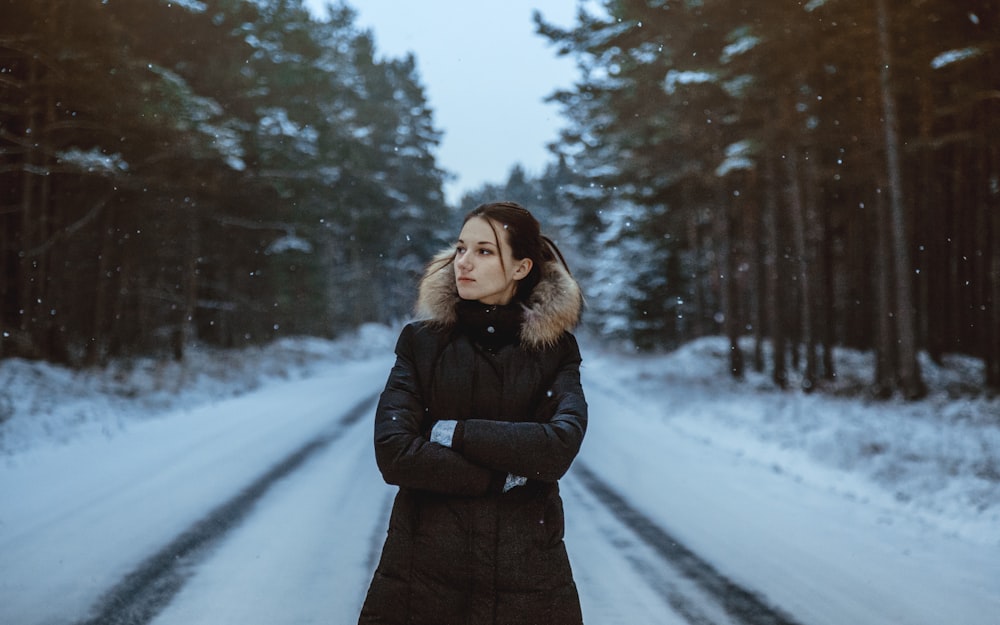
column 796, row 175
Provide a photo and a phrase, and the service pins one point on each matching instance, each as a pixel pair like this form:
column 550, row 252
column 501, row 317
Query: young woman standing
column 482, row 414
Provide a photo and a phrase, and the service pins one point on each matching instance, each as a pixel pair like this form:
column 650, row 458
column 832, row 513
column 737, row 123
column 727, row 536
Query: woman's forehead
column 481, row 231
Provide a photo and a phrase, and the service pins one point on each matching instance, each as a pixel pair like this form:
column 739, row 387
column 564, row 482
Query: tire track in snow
column 741, row 605
column 144, row 592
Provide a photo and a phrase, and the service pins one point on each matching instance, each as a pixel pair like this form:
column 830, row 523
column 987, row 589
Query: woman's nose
column 462, row 260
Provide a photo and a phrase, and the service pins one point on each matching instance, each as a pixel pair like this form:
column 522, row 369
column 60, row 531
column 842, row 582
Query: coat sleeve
column 403, row 452
column 536, row 450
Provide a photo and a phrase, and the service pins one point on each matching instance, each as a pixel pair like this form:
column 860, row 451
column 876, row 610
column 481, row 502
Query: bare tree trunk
column 991, row 267
column 729, row 294
column 885, row 344
column 26, row 275
column 819, row 228
column 189, row 289
column 830, row 320
column 813, row 231
column 6, row 288
column 96, row 349
column 928, row 231
column 796, row 210
column 771, row 252
column 991, row 156
column 697, row 318
column 910, row 379
column 758, row 278
column 54, row 339
column 992, row 360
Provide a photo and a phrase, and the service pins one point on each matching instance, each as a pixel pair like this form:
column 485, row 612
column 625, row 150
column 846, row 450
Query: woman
column 482, row 414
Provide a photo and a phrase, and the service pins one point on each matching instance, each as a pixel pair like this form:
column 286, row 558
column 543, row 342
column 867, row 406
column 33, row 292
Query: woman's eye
column 459, row 250
column 485, row 252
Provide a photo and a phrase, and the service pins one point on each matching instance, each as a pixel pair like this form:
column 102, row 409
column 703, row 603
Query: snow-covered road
column 276, row 513
column 307, row 554
column 793, row 534
column 78, row 518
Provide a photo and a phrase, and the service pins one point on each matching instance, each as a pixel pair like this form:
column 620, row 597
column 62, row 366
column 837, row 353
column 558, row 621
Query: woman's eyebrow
column 480, row 243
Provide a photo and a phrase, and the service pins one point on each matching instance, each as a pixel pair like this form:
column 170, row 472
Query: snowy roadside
column 43, row 404
column 938, row 459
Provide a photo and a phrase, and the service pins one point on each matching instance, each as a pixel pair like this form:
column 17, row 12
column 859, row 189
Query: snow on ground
column 832, row 505
column 76, row 518
column 305, row 556
column 937, row 459
column 45, row 404
column 784, row 493
column 112, row 479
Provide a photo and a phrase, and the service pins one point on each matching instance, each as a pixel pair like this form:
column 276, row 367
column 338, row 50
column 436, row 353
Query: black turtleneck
column 491, row 326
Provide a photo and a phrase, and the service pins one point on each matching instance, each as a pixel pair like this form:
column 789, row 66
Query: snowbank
column 43, row 404
column 938, row 458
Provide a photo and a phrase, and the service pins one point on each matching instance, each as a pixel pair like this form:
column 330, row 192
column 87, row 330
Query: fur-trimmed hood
column 554, row 306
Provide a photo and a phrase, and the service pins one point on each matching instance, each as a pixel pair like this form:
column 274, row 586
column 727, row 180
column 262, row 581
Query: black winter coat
column 458, row 550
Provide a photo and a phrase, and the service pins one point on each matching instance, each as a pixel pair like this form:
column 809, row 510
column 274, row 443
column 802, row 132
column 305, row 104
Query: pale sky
column 485, row 73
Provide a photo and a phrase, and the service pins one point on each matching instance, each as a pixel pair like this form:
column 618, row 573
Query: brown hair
column 525, row 238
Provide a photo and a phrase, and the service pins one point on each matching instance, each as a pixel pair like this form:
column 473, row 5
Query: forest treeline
column 226, row 171
column 808, row 174
column 814, row 173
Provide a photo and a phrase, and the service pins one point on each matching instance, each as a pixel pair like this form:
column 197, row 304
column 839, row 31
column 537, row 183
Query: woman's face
column 479, row 273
